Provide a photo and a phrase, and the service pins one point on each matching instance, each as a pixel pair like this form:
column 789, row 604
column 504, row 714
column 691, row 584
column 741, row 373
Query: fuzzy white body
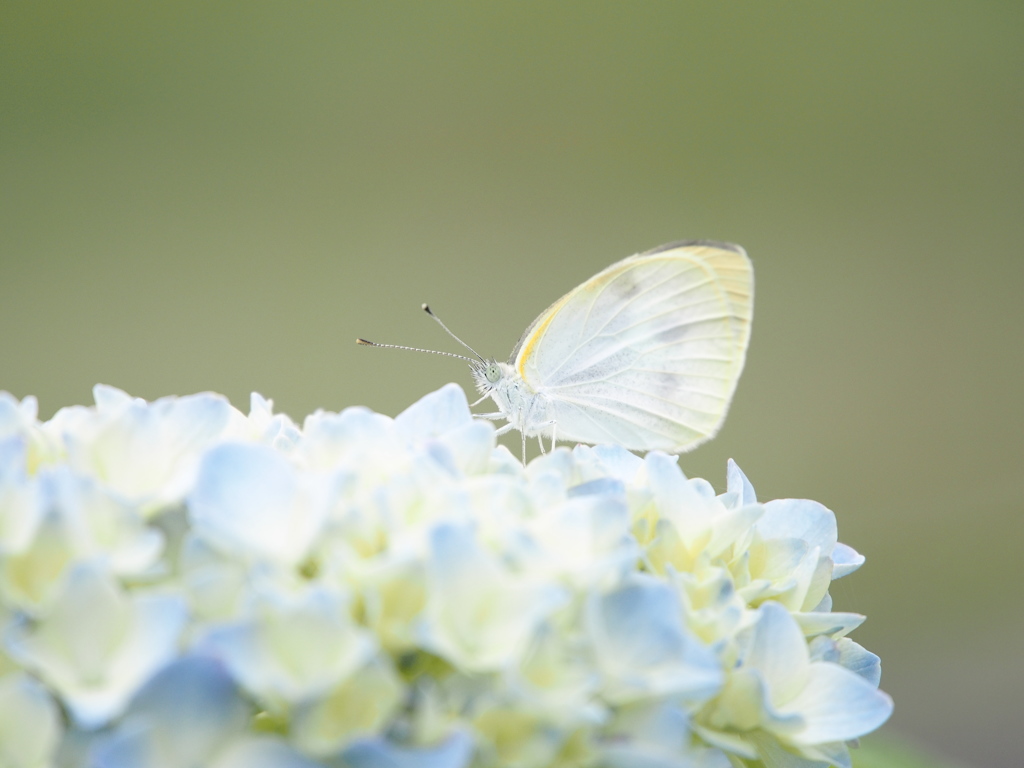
column 523, row 409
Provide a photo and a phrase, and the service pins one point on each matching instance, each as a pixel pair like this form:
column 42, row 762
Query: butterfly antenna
column 366, row 343
column 448, row 331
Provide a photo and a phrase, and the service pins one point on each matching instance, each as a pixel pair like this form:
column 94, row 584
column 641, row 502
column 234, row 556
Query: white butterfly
column 645, row 354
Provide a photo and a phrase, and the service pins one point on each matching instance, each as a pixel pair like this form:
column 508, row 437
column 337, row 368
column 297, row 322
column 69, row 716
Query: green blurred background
column 223, row 196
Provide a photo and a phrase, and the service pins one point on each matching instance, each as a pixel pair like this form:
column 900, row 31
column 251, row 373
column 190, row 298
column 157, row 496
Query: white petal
column 471, row 446
column 21, row 502
column 738, row 484
column 293, row 646
column 730, row 526
column 249, row 499
column 779, row 652
column 108, row 398
column 98, row 645
column 479, row 616
column 832, row 624
column 434, row 414
column 358, row 708
column 148, row 451
column 30, row 723
column 802, row 519
column 837, row 705
column 677, row 500
column 584, row 535
column 354, row 434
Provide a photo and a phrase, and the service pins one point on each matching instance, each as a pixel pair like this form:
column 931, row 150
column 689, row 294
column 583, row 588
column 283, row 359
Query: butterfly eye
column 493, row 373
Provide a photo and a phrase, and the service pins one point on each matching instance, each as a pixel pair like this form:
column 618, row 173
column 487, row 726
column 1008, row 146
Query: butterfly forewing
column 646, row 353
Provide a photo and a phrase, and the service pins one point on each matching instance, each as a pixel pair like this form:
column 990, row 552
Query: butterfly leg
column 504, row 429
column 474, row 405
column 523, row 433
column 540, row 437
column 489, row 416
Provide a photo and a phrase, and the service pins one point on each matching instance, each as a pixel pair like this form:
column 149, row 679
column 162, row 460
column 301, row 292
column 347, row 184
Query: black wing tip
column 687, row 243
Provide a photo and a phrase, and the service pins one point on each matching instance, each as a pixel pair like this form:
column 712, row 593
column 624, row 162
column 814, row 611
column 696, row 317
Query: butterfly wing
column 646, row 353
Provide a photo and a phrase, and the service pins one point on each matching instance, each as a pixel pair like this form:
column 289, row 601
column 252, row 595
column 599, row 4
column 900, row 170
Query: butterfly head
column 486, row 374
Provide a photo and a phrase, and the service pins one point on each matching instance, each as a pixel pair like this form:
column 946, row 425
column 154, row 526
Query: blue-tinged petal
column 848, row 654
column 13, row 459
column 737, row 483
column 557, row 465
column 434, row 414
column 30, row 723
column 802, row 519
column 654, row 734
column 602, row 486
column 642, row 647
column 182, row 718
column 860, row 660
column 440, row 462
column 846, row 560
column 249, row 500
column 617, row 462
column 824, row 605
column 837, row 705
column 454, row 752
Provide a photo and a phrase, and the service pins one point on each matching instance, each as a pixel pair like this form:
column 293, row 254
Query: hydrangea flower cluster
column 183, row 585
